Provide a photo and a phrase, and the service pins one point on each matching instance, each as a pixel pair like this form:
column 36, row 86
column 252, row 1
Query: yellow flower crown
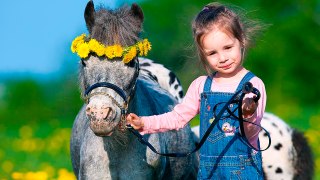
column 83, row 48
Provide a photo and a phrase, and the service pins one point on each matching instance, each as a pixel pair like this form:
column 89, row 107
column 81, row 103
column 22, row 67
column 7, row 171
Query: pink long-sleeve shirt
column 189, row 107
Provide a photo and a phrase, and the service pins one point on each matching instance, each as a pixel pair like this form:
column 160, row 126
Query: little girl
column 221, row 40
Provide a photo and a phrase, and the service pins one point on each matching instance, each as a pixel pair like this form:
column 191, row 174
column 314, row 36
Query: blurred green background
column 37, row 113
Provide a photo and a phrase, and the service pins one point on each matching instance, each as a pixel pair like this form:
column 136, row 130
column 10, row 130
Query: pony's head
column 109, row 28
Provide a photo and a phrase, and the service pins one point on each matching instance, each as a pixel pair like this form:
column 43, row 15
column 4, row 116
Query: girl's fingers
column 249, row 106
column 130, row 118
column 134, row 121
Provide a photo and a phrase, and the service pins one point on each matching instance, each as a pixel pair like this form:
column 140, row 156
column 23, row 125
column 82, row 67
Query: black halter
column 236, row 98
column 119, row 91
column 107, row 85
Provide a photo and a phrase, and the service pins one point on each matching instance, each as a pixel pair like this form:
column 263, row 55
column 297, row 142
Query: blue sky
column 36, row 34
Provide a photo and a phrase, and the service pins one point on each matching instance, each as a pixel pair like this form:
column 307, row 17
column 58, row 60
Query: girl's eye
column 228, row 47
column 211, row 53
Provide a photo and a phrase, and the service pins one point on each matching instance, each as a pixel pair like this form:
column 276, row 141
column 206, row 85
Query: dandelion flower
column 83, row 50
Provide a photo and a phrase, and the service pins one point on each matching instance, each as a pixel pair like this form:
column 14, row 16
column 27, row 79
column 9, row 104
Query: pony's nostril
column 88, row 110
column 108, row 113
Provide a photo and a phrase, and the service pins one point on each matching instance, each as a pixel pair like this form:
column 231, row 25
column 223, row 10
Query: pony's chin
column 104, row 134
column 102, row 129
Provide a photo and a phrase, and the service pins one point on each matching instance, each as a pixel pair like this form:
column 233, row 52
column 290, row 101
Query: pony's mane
column 117, row 26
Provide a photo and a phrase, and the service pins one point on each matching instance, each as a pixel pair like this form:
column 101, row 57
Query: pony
column 101, row 147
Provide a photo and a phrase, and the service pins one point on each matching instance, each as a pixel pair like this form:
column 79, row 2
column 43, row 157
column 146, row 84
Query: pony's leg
column 182, row 142
column 77, row 135
column 94, row 160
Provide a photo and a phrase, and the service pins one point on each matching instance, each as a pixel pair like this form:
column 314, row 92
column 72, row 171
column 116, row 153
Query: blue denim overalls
column 225, row 155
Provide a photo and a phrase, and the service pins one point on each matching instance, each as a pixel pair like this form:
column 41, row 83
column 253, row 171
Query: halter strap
column 108, row 85
column 114, row 87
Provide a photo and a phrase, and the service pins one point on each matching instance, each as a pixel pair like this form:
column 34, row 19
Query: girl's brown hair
column 216, row 15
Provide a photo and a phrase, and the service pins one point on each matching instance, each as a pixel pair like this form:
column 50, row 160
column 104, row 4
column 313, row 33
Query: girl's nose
column 222, row 58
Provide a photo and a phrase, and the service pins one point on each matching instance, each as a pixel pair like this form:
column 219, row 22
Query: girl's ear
column 89, row 15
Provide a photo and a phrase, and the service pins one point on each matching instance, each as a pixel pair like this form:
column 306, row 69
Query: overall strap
column 207, row 84
column 245, row 79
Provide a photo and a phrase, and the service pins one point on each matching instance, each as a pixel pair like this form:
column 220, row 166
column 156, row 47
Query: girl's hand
column 135, row 121
column 249, row 106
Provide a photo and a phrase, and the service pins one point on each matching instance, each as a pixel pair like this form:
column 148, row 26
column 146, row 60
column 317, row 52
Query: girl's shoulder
column 258, row 83
column 196, row 87
column 199, row 81
column 256, row 80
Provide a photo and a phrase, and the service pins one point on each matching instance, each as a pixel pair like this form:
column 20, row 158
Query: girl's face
column 223, row 52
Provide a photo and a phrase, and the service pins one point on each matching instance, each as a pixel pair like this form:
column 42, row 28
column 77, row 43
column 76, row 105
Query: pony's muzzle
column 101, row 119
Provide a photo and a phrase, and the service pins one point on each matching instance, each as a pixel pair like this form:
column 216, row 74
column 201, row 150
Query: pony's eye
column 131, row 63
column 83, row 63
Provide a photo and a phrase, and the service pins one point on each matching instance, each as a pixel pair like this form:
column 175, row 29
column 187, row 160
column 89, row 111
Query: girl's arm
column 174, row 120
column 251, row 130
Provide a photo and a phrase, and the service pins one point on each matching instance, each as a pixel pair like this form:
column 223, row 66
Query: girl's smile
column 226, row 66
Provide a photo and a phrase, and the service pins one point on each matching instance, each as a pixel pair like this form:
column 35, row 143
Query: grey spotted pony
column 289, row 156
column 101, row 147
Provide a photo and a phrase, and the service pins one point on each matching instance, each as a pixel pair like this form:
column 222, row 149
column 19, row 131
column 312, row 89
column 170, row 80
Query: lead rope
column 202, row 141
column 247, row 88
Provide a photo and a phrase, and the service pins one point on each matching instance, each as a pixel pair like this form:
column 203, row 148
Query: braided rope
column 86, row 98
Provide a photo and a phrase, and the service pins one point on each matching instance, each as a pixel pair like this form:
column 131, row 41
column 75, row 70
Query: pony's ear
column 137, row 11
column 89, row 15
